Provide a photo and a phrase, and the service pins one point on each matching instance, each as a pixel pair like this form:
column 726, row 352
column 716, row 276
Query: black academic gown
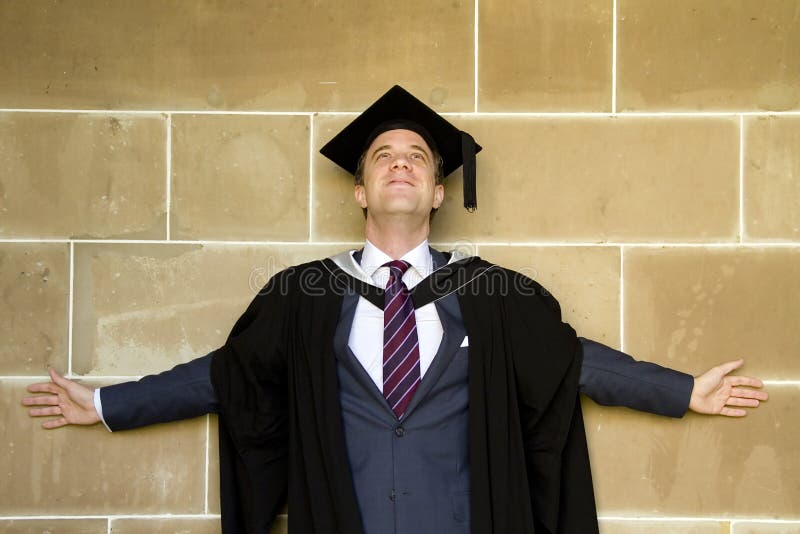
column 280, row 423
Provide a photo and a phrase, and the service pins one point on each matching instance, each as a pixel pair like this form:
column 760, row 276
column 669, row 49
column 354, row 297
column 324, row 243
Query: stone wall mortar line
column 708, row 519
column 289, row 113
column 593, row 114
column 158, row 112
column 311, row 179
column 654, row 244
column 614, row 58
column 771, row 521
column 676, row 519
column 741, row 178
column 168, row 242
column 475, row 53
column 168, row 177
column 568, row 114
column 74, row 376
column 112, row 517
column 622, row 299
column 147, row 113
column 70, row 306
column 34, row 240
column 208, row 438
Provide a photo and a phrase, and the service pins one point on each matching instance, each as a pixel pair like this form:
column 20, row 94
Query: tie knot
column 397, row 268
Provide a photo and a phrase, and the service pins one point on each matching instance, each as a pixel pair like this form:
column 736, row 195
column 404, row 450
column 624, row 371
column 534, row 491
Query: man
column 397, row 388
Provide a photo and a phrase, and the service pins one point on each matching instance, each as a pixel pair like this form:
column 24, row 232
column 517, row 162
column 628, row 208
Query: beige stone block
column 772, row 178
column 73, row 175
column 239, row 177
column 613, row 526
column 692, row 308
column 585, row 280
column 34, row 315
column 766, row 528
column 698, row 466
column 545, row 56
column 698, row 55
column 194, row 55
column 90, row 471
column 598, row 180
column 47, row 526
column 142, row 308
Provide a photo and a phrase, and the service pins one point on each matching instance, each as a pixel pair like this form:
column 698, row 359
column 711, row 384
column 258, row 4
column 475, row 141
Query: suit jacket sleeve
column 183, row 392
column 613, row 378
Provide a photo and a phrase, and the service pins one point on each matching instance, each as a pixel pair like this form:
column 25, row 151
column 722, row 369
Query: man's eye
column 417, row 155
column 383, row 155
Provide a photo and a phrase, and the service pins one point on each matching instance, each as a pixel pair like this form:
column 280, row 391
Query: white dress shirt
column 366, row 334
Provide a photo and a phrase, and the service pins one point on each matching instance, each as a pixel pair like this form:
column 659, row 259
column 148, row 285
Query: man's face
column 399, row 176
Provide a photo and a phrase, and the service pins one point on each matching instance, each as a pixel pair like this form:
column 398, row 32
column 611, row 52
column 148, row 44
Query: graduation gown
column 280, row 424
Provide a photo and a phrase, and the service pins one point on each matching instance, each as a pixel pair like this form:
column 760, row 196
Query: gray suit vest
column 411, row 475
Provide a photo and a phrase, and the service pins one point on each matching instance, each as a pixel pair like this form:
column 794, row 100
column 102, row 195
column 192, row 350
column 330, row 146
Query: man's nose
column 400, row 162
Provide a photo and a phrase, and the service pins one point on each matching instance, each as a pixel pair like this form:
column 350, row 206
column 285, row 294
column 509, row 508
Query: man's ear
column 438, row 196
column 361, row 196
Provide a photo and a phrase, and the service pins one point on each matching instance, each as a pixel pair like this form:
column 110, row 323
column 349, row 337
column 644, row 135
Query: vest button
column 399, row 431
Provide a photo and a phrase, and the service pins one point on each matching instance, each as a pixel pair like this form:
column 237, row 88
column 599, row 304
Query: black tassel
column 468, row 158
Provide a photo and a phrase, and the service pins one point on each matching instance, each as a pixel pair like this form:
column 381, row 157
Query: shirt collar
column 419, row 257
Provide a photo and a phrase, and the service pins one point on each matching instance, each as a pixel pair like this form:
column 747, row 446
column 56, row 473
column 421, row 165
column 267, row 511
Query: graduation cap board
column 400, row 110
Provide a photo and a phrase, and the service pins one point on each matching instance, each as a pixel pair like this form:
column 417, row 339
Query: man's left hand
column 717, row 393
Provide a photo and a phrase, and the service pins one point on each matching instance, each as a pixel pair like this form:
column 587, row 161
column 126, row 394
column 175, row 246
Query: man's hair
column 438, row 173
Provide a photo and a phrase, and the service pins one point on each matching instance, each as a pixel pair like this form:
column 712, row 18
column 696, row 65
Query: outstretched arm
column 717, row 393
column 183, row 392
column 612, row 378
column 70, row 401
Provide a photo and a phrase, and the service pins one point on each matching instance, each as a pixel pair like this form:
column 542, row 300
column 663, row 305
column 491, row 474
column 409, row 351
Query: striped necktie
column 401, row 374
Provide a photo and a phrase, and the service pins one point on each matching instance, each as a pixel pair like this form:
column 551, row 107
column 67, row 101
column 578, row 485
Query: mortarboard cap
column 399, row 109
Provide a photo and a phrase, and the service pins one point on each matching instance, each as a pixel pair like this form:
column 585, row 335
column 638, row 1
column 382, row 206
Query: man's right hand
column 72, row 401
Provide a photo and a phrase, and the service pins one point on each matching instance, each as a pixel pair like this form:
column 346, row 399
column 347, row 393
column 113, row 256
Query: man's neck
column 396, row 237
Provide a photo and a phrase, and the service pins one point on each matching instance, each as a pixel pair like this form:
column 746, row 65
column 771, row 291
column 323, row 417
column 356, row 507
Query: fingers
column 750, row 403
column 744, row 381
column 42, row 412
column 57, row 378
column 51, row 400
column 45, row 387
column 727, row 367
column 55, row 423
column 749, row 393
column 733, row 412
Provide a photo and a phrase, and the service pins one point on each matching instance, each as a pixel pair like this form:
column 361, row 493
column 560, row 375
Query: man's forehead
column 397, row 137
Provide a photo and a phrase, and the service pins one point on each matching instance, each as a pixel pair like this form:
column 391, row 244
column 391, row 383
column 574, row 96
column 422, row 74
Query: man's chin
column 402, row 208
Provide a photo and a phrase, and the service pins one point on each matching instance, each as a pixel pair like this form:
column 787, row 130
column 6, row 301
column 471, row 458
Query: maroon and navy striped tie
column 401, row 374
